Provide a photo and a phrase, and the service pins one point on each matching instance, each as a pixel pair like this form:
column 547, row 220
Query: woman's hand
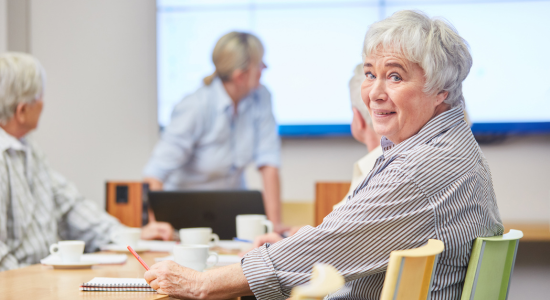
column 157, row 231
column 280, row 228
column 169, row 278
column 267, row 238
column 271, row 238
column 262, row 239
column 154, row 184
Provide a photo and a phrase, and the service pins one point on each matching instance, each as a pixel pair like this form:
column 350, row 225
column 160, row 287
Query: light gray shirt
column 208, row 146
column 38, row 207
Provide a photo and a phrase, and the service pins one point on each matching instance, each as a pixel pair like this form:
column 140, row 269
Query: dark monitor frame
column 215, row 209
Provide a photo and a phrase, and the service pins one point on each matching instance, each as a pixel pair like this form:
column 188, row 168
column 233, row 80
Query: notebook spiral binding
column 115, row 287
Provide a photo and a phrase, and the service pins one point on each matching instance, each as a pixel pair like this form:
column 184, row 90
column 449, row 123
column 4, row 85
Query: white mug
column 194, row 256
column 126, row 236
column 251, row 226
column 68, row 251
column 198, row 236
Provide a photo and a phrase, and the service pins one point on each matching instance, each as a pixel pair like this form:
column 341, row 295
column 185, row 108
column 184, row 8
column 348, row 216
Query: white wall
column 520, row 167
column 3, row 26
column 99, row 120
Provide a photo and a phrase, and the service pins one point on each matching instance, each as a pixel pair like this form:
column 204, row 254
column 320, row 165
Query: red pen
column 138, row 258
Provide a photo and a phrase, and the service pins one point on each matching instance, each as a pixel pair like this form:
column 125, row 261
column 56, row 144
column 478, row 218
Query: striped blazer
column 434, row 185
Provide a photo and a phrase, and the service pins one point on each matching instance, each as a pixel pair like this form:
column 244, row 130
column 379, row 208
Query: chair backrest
column 491, row 265
column 328, row 194
column 324, row 280
column 410, row 272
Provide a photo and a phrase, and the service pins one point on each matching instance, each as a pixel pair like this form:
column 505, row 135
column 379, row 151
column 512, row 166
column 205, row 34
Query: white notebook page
column 108, row 280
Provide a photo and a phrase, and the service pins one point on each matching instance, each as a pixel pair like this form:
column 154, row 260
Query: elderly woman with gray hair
column 432, row 181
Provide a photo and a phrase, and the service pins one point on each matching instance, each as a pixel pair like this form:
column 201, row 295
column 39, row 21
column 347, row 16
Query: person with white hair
column 362, row 130
column 432, row 182
column 217, row 131
column 37, row 204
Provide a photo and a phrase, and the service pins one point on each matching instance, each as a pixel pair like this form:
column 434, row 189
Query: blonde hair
column 432, row 43
column 21, row 81
column 234, row 51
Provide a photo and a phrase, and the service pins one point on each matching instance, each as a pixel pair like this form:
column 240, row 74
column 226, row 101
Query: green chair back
column 491, row 265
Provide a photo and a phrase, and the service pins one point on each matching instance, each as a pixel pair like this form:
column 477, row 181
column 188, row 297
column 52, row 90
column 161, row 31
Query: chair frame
column 396, row 265
column 478, row 249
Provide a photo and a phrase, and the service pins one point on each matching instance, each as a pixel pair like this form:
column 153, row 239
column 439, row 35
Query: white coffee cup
column 251, row 226
column 194, row 256
column 126, row 236
column 199, row 236
column 68, row 251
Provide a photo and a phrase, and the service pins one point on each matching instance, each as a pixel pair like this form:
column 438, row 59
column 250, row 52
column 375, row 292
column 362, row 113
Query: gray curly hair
column 432, row 43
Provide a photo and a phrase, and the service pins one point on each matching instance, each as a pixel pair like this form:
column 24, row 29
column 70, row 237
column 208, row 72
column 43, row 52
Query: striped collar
column 437, row 125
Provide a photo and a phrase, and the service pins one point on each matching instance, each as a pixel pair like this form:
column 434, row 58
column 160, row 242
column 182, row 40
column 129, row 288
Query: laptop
column 215, row 209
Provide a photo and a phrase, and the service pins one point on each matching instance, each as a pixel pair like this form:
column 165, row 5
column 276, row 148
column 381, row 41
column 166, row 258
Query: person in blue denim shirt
column 218, row 130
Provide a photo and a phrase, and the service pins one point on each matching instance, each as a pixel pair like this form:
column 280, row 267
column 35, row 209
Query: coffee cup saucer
column 122, row 248
column 58, row 264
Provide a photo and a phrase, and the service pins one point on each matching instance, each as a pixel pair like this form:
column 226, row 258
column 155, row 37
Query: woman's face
column 393, row 93
column 255, row 74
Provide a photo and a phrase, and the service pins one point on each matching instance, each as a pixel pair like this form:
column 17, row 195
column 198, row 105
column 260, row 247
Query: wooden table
column 43, row 282
column 532, row 232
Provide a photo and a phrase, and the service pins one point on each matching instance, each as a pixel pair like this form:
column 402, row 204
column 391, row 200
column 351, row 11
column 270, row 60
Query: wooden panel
column 532, row 232
column 327, row 194
column 298, row 213
column 130, row 213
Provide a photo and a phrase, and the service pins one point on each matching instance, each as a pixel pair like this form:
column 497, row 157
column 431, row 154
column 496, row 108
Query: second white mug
column 127, row 236
column 199, row 236
column 194, row 256
column 251, row 226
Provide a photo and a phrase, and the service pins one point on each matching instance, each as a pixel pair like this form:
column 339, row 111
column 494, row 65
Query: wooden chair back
column 328, row 194
column 410, row 272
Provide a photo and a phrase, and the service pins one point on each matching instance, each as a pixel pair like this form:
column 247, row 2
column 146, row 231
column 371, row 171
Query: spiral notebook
column 106, row 284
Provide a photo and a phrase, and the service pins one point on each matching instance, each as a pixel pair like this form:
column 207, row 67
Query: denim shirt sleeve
column 176, row 143
column 267, row 150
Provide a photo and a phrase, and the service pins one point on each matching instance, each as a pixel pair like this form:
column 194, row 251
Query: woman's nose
column 378, row 91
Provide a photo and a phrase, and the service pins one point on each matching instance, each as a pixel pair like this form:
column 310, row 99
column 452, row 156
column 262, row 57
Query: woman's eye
column 395, row 77
column 369, row 75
